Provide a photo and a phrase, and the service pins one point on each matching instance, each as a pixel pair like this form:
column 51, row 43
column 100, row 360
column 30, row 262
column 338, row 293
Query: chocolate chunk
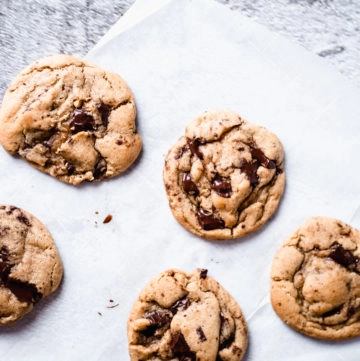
column 344, row 257
column 222, row 186
column 250, row 169
column 4, row 254
column 104, row 111
column 333, row 312
column 5, row 269
column 201, row 334
column 194, row 147
column 262, row 158
column 81, row 121
column 158, row 318
column 259, row 159
column 11, row 210
column 24, row 291
column 203, row 273
column 188, row 185
column 70, row 169
column 184, row 303
column 21, row 218
column 180, row 347
column 100, row 168
column 208, row 221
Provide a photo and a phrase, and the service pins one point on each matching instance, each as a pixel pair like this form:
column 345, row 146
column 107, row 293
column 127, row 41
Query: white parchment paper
column 188, row 57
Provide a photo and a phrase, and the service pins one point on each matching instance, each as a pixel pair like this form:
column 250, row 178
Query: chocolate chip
column 222, row 186
column 81, row 121
column 201, row 334
column 188, row 185
column 208, row 221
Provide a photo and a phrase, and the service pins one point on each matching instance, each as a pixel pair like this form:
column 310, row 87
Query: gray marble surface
column 30, row 29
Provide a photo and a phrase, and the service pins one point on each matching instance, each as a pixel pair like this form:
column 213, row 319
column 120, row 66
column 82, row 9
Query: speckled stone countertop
column 32, row 29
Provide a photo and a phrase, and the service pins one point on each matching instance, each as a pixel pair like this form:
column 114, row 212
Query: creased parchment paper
column 188, row 57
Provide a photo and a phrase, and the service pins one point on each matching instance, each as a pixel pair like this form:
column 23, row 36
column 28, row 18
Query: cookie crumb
column 107, row 219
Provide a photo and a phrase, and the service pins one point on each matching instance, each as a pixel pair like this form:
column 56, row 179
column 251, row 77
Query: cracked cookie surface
column 186, row 316
column 225, row 177
column 70, row 119
column 315, row 279
column 30, row 265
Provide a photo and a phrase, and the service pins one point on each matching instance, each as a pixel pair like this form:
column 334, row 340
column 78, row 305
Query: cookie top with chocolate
column 315, row 279
column 186, row 316
column 225, row 177
column 30, row 265
column 70, row 119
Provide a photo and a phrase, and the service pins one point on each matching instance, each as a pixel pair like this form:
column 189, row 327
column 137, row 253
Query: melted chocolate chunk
column 158, row 318
column 24, row 291
column 259, row 159
column 180, row 347
column 222, row 186
column 188, row 185
column 262, row 158
column 344, row 257
column 201, row 334
column 184, row 303
column 104, row 111
column 194, row 147
column 208, row 221
column 81, row 121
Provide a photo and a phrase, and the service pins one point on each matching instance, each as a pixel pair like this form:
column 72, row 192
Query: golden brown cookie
column 186, row 316
column 315, row 279
column 70, row 119
column 225, row 177
column 30, row 265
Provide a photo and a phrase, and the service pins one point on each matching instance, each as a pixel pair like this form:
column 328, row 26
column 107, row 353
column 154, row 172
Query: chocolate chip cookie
column 186, row 316
column 225, row 177
column 315, row 280
column 30, row 265
column 70, row 119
